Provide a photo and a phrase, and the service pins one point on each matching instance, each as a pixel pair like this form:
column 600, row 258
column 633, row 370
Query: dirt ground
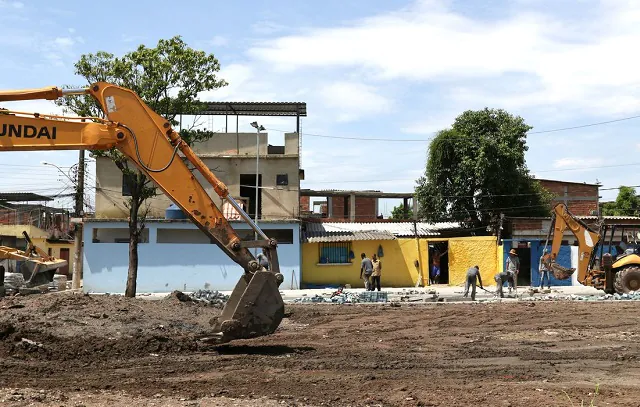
column 72, row 350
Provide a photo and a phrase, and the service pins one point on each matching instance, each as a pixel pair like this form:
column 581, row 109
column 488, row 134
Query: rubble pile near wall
column 213, row 298
column 345, row 297
column 631, row 296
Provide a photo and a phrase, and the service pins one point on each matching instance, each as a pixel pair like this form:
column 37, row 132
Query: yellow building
column 331, row 253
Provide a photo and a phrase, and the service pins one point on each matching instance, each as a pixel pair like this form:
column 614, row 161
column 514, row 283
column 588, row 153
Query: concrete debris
column 213, row 298
column 345, row 297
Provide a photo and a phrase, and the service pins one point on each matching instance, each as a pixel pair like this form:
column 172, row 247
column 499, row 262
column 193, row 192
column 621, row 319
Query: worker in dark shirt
column 366, row 269
column 472, row 274
column 501, row 278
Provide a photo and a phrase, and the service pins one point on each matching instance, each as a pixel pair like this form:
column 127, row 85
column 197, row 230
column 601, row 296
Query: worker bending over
column 472, row 274
column 501, row 278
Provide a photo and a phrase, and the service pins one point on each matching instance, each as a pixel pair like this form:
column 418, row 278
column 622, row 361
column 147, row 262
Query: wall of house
column 227, row 163
column 184, row 264
column 398, row 267
column 585, row 196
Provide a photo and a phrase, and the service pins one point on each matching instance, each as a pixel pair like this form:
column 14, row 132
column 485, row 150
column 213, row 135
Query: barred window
column 335, row 253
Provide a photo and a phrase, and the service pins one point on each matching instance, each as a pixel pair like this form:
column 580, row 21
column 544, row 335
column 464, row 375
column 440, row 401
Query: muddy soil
column 61, row 349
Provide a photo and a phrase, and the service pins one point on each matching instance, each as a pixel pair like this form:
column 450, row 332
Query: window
column 127, row 182
column 335, row 253
column 283, row 236
column 282, row 179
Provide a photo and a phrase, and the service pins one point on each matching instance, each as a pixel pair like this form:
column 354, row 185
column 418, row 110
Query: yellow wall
column 16, row 230
column 55, row 247
column 398, row 268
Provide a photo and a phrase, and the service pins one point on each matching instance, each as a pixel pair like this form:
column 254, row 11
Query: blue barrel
column 173, row 212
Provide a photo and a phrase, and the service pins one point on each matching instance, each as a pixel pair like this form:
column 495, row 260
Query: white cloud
column 219, row 41
column 576, row 162
column 352, row 101
column 11, row 4
column 584, row 64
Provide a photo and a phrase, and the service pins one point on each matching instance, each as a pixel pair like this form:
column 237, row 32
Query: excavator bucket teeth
column 37, row 273
column 255, row 308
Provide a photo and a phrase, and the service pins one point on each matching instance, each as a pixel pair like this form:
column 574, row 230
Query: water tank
column 173, row 212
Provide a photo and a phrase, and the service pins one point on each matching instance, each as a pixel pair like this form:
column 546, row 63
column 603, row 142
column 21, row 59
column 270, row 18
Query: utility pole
column 258, row 129
column 77, row 258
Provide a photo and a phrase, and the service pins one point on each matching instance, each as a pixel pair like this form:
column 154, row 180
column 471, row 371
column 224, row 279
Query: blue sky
column 370, row 69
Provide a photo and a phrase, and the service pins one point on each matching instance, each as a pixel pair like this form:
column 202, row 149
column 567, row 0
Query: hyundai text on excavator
column 255, row 307
column 603, row 272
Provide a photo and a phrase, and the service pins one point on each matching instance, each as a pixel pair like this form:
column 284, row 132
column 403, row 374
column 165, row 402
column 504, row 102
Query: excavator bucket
column 255, row 308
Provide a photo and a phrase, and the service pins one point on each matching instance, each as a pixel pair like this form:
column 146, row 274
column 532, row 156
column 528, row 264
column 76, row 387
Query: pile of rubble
column 345, row 297
column 631, row 296
column 14, row 283
column 213, row 298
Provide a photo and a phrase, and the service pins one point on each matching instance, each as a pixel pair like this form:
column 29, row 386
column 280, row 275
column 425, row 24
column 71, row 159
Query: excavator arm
column 148, row 140
column 587, row 241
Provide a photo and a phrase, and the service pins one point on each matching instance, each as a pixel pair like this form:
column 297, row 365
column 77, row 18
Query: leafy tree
column 627, row 203
column 168, row 78
column 398, row 212
column 476, row 170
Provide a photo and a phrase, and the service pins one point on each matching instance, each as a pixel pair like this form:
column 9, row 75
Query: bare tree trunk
column 134, row 237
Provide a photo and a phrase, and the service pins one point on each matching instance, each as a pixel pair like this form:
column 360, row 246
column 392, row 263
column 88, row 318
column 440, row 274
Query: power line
column 434, row 133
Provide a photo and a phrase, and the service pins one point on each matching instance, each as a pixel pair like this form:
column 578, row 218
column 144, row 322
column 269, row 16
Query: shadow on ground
column 266, row 350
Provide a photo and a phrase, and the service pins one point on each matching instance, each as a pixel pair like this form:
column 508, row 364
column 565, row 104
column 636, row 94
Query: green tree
column 476, row 170
column 398, row 212
column 168, row 78
column 627, row 203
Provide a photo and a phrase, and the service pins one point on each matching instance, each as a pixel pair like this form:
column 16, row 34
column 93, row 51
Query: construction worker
column 472, row 274
column 500, row 279
column 366, row 269
column 513, row 267
column 377, row 272
column 544, row 271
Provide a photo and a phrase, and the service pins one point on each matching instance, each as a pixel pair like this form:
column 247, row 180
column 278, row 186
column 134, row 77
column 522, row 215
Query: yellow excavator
column 255, row 307
column 604, row 272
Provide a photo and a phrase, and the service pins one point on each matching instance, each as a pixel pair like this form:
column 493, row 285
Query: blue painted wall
column 564, row 259
column 164, row 267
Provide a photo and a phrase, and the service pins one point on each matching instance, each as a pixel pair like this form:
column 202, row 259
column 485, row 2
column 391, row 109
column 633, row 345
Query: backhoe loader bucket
column 36, row 272
column 561, row 273
column 254, row 309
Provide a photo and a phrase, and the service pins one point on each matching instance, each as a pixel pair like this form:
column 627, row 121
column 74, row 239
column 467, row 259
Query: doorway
column 248, row 192
column 439, row 257
column 64, row 255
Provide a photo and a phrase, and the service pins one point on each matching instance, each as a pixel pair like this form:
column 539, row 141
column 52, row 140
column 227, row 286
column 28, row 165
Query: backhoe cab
column 149, row 142
column 619, row 273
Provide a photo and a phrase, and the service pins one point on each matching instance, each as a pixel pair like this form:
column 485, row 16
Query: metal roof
column 22, row 197
column 346, row 236
column 255, row 109
column 398, row 229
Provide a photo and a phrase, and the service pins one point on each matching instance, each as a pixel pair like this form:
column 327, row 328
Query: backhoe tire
column 628, row 279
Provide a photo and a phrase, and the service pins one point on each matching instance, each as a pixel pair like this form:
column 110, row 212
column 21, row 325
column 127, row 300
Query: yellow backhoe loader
column 255, row 306
column 619, row 274
column 36, row 266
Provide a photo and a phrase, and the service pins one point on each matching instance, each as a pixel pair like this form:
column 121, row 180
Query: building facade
column 232, row 158
column 581, row 199
column 176, row 255
column 173, row 253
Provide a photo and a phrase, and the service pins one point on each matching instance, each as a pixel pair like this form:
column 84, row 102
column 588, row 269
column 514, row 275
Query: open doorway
column 524, row 255
column 248, row 193
column 439, row 258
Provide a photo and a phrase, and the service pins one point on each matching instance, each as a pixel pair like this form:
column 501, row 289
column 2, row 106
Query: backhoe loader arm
column 587, row 239
column 149, row 141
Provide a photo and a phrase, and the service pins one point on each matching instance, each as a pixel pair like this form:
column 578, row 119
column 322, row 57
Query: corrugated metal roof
column 610, row 217
column 256, row 108
column 346, row 236
column 393, row 228
column 23, row 197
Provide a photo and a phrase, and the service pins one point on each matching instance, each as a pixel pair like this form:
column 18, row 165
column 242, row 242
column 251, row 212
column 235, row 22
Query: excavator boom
column 147, row 140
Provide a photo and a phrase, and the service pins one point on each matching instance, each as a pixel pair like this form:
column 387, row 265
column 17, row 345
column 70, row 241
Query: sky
column 367, row 69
